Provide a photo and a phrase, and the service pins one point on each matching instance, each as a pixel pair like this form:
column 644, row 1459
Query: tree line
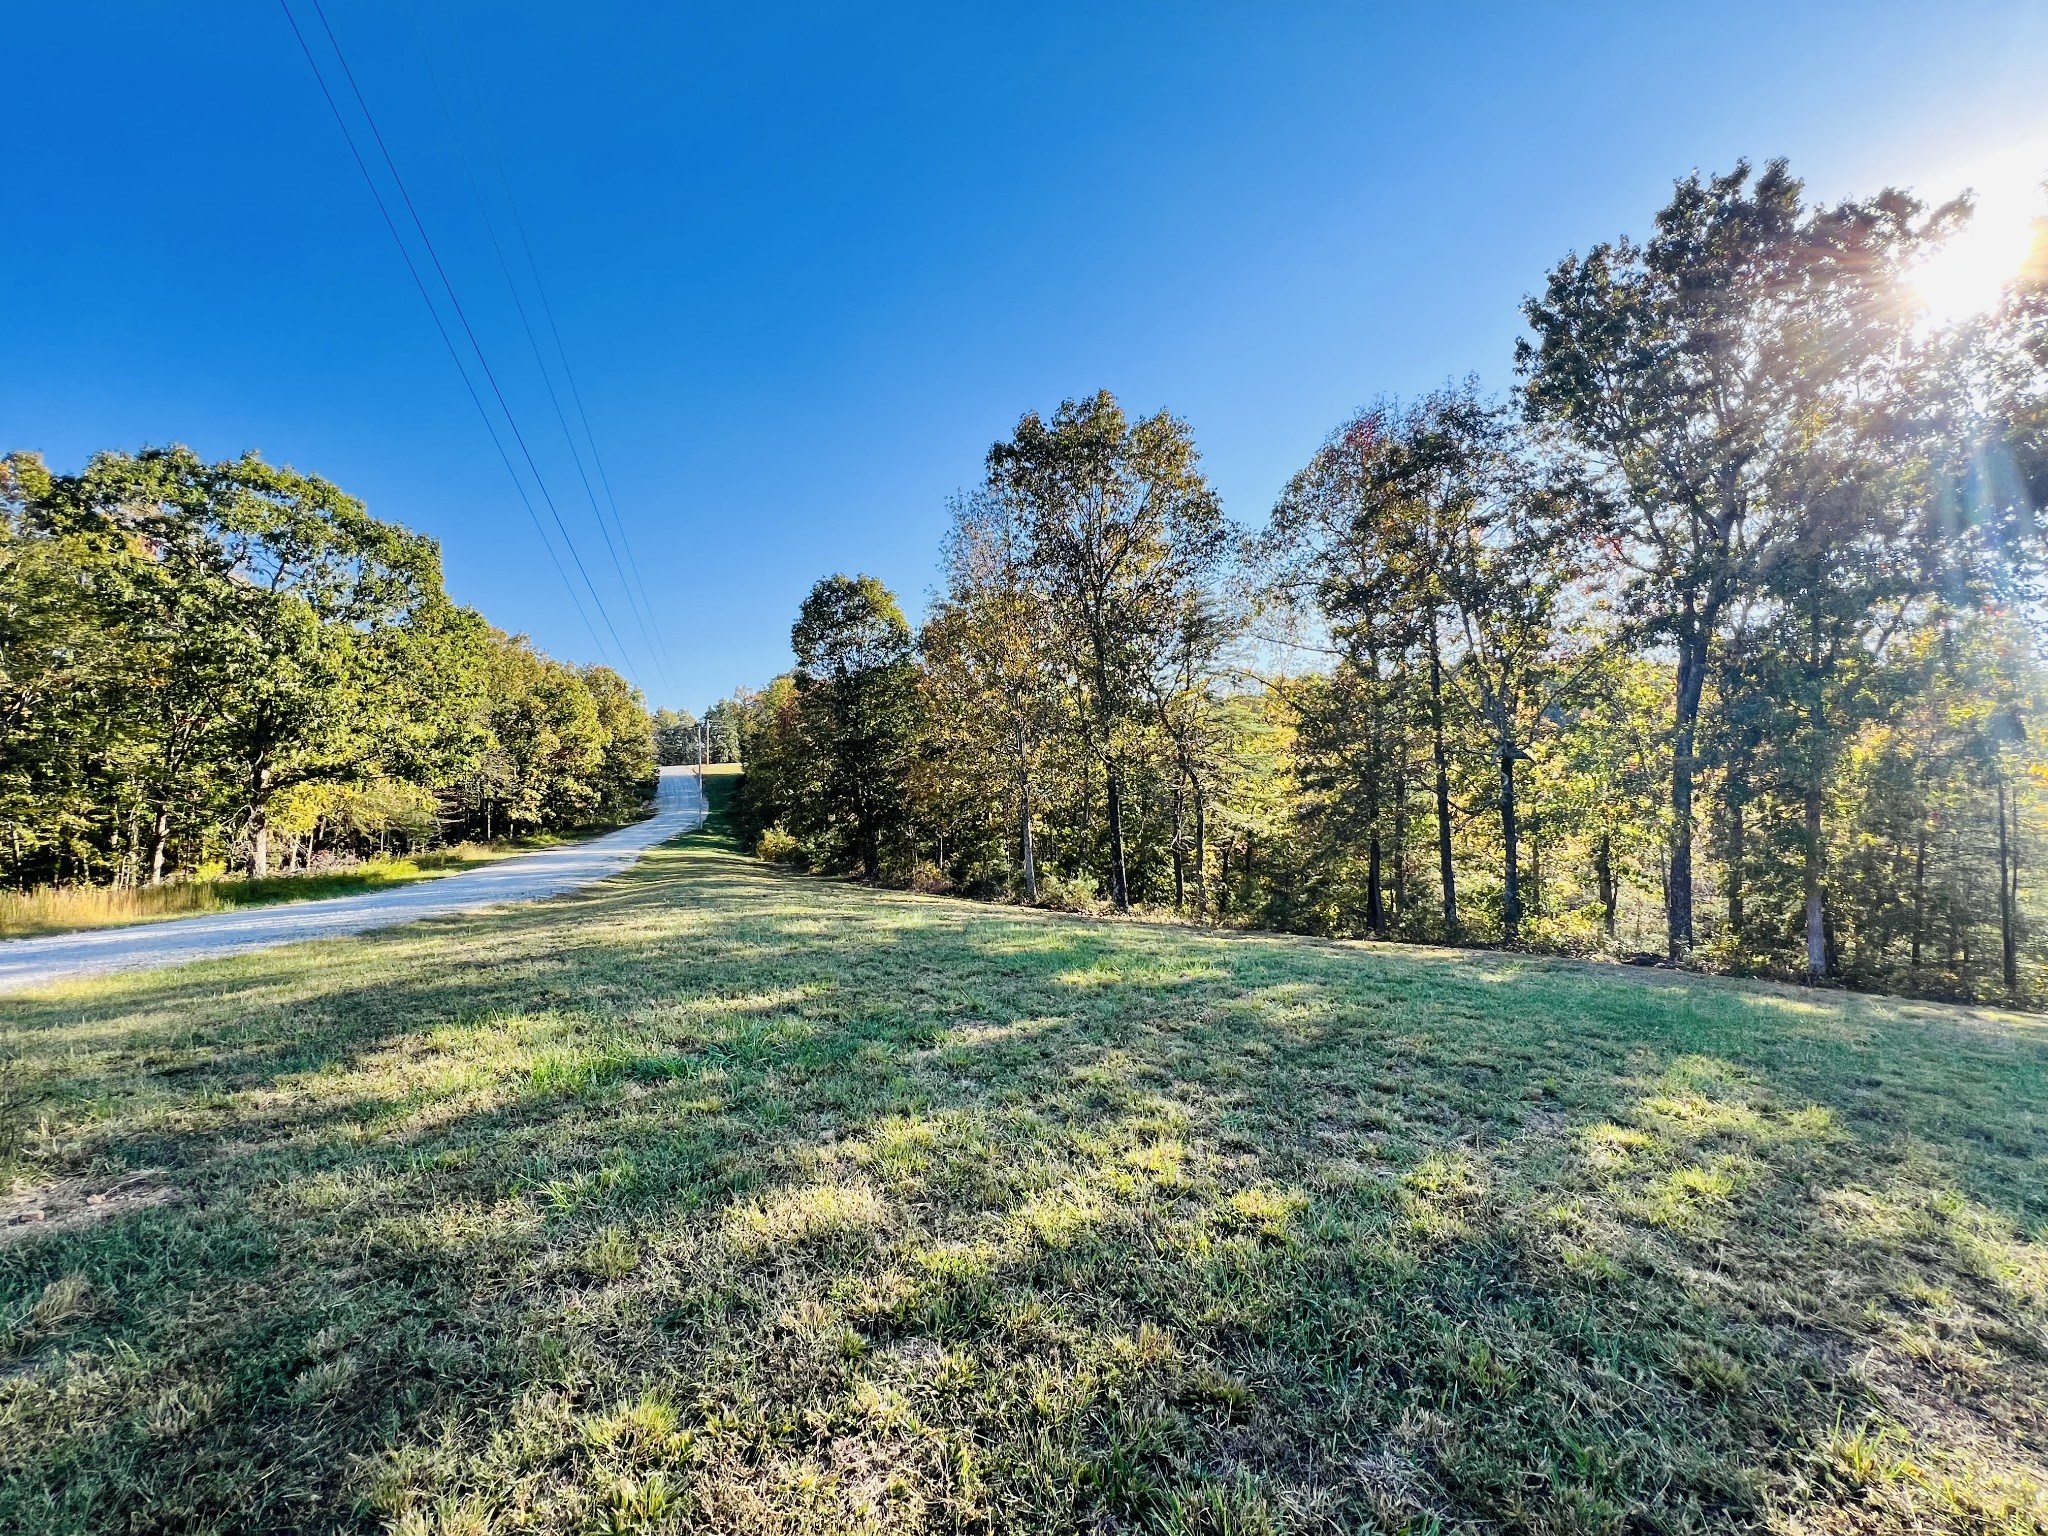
column 214, row 663
column 1715, row 642
column 681, row 739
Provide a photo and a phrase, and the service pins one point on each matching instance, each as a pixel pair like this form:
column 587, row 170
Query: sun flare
column 1970, row 271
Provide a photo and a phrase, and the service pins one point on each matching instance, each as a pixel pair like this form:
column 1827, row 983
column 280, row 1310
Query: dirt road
column 679, row 807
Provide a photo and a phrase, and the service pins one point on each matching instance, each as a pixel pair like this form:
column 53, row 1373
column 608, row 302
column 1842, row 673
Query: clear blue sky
column 809, row 262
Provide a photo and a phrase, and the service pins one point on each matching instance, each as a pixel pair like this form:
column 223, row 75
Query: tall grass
column 55, row 908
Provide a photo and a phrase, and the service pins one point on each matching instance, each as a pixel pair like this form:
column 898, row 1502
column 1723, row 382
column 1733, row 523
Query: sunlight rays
column 1968, row 273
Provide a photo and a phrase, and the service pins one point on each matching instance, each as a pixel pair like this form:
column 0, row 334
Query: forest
column 209, row 665
column 1714, row 642
column 681, row 739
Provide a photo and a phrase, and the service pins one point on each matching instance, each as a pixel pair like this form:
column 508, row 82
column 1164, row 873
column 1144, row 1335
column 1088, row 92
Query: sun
column 1969, row 272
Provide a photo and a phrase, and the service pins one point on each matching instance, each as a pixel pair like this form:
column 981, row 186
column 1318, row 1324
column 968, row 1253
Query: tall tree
column 1513, row 566
column 1681, row 363
column 857, row 683
column 722, row 732
column 313, row 589
column 2014, row 456
column 1122, row 528
column 187, row 647
column 277, row 595
column 677, row 738
column 1377, row 535
column 1187, row 698
column 994, row 659
column 1856, row 497
column 547, row 741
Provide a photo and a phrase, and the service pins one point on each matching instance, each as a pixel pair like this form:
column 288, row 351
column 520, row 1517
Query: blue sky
column 808, row 262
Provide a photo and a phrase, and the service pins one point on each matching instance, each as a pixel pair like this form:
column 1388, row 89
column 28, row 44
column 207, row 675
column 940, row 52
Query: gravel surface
column 679, row 807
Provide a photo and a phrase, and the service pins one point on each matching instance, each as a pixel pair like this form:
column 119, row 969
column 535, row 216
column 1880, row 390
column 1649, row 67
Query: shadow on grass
column 728, row 1199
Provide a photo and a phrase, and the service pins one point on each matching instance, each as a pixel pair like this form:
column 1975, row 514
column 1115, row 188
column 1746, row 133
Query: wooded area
column 680, row 738
column 234, row 663
column 1718, row 640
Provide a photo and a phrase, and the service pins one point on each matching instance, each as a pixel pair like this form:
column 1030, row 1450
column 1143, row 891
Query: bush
column 1077, row 892
column 1574, row 931
column 778, row 847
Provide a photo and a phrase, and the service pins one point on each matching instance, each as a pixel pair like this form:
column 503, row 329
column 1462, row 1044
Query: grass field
column 719, row 1199
column 68, row 908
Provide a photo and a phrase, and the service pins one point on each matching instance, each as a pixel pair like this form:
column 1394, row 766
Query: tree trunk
column 1603, row 876
column 1119, row 884
column 1954, row 932
column 1401, row 834
column 1443, row 787
column 2008, row 891
column 1511, row 905
column 1919, row 888
column 1201, row 853
column 1817, row 725
column 1375, row 907
column 129, row 871
column 1737, row 851
column 1375, row 744
column 1087, row 807
column 1180, row 881
column 1692, row 672
column 159, row 844
column 259, row 822
column 1024, row 838
column 1816, row 917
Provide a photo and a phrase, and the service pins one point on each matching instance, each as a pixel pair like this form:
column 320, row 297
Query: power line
column 454, row 356
column 642, row 611
column 554, row 330
column 476, row 346
column 483, row 361
column 575, row 392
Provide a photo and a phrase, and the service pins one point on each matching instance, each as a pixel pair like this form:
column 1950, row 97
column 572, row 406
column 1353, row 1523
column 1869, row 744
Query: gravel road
column 679, row 807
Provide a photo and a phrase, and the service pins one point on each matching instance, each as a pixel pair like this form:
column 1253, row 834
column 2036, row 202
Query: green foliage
column 1741, row 377
column 857, row 709
column 2011, row 479
column 1119, row 535
column 722, row 724
column 677, row 737
column 198, row 660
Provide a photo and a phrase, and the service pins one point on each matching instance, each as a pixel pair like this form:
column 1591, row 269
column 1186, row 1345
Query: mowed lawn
column 720, row 1199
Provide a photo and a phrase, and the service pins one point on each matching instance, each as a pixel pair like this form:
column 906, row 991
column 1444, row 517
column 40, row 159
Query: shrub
column 1077, row 892
column 778, row 847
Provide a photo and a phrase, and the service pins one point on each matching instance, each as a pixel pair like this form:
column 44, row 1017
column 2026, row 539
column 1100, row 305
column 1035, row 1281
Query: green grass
column 719, row 1199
